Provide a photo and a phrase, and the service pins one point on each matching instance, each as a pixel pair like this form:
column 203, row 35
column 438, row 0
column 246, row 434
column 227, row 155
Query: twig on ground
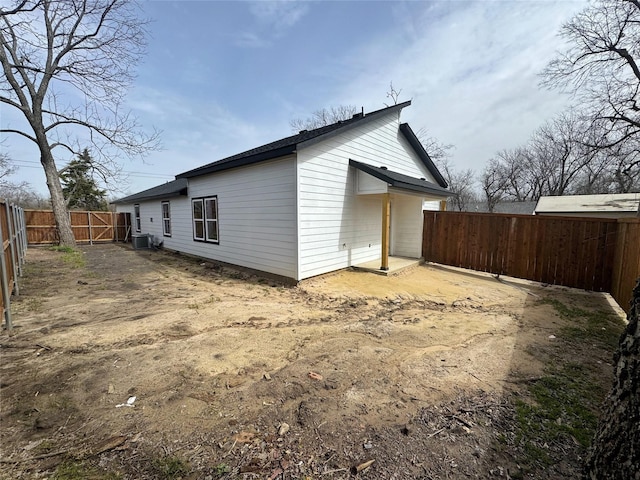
column 436, row 432
column 231, row 449
column 37, row 457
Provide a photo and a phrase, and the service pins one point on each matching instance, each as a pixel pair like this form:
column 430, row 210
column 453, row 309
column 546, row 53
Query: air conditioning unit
column 140, row 241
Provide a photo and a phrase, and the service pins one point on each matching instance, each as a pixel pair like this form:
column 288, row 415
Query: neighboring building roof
column 167, row 190
column 518, row 208
column 398, row 180
column 288, row 145
column 604, row 203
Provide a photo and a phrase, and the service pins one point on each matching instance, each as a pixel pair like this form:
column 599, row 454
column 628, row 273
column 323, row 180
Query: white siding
column 367, row 184
column 150, row 218
column 256, row 212
column 431, row 205
column 256, row 217
column 406, row 226
column 338, row 228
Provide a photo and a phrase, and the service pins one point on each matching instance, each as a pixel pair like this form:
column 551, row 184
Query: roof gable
column 288, row 145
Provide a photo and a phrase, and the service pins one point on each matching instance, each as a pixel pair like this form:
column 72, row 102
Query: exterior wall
column 150, row 217
column 366, row 184
column 337, row 227
column 256, row 217
column 406, row 226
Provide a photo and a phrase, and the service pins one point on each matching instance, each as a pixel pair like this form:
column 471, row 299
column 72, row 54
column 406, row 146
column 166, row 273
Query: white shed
column 609, row 205
column 322, row 200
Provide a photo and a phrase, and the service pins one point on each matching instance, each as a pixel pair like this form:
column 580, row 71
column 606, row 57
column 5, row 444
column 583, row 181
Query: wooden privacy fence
column 88, row 226
column 14, row 247
column 589, row 253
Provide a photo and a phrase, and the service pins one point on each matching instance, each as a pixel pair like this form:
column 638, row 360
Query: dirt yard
column 434, row 373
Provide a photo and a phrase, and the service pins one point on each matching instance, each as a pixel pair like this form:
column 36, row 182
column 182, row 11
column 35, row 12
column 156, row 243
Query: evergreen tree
column 79, row 188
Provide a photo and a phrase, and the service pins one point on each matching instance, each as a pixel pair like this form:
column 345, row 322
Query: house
column 315, row 202
column 615, row 205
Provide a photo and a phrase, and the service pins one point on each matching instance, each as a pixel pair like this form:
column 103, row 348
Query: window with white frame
column 205, row 219
column 136, row 214
column 166, row 219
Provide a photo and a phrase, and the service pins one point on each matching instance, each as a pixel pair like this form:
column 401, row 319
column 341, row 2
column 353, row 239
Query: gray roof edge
column 238, row 162
column 166, row 190
column 413, row 140
column 425, row 187
column 368, row 117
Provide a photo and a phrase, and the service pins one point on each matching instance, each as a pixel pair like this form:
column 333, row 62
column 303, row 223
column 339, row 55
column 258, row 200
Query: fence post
column 18, row 242
column 6, row 294
column 90, row 234
column 16, row 288
column 114, row 223
column 23, row 232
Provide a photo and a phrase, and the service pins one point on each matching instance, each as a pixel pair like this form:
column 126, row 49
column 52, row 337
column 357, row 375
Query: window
column 166, row 219
column 205, row 219
column 136, row 214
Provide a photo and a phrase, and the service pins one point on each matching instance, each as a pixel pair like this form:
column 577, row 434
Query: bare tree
column 560, row 153
column 21, row 193
column 438, row 151
column 393, row 94
column 461, row 184
column 323, row 117
column 67, row 65
column 615, row 452
column 494, row 183
column 599, row 65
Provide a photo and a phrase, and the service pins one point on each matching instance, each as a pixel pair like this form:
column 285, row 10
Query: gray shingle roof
column 401, row 181
column 167, row 190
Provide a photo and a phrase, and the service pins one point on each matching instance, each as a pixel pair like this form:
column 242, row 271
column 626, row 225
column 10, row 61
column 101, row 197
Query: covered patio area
column 395, row 265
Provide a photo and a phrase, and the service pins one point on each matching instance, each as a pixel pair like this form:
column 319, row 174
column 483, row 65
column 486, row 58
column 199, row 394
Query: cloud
column 273, row 19
column 251, row 40
column 279, row 14
column 471, row 71
column 195, row 131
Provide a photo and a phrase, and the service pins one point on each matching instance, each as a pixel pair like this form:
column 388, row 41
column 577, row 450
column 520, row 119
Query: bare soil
column 237, row 376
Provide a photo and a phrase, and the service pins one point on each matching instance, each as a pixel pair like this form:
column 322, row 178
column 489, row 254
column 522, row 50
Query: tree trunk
column 615, row 453
column 60, row 212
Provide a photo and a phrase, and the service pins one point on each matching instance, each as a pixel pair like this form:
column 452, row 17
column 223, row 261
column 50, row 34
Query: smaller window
column 136, row 209
column 166, row 219
column 211, row 214
column 205, row 219
column 198, row 219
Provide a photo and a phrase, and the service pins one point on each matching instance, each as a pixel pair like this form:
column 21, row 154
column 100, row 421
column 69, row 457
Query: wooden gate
column 87, row 226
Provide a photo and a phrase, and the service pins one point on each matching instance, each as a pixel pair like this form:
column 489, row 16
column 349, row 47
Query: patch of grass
column 74, row 258
column 170, row 468
column 76, row 470
column 599, row 326
column 62, row 248
column 221, row 469
column 562, row 409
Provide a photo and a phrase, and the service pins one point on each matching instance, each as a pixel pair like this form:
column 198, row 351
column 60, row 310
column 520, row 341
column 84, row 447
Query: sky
column 223, row 77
